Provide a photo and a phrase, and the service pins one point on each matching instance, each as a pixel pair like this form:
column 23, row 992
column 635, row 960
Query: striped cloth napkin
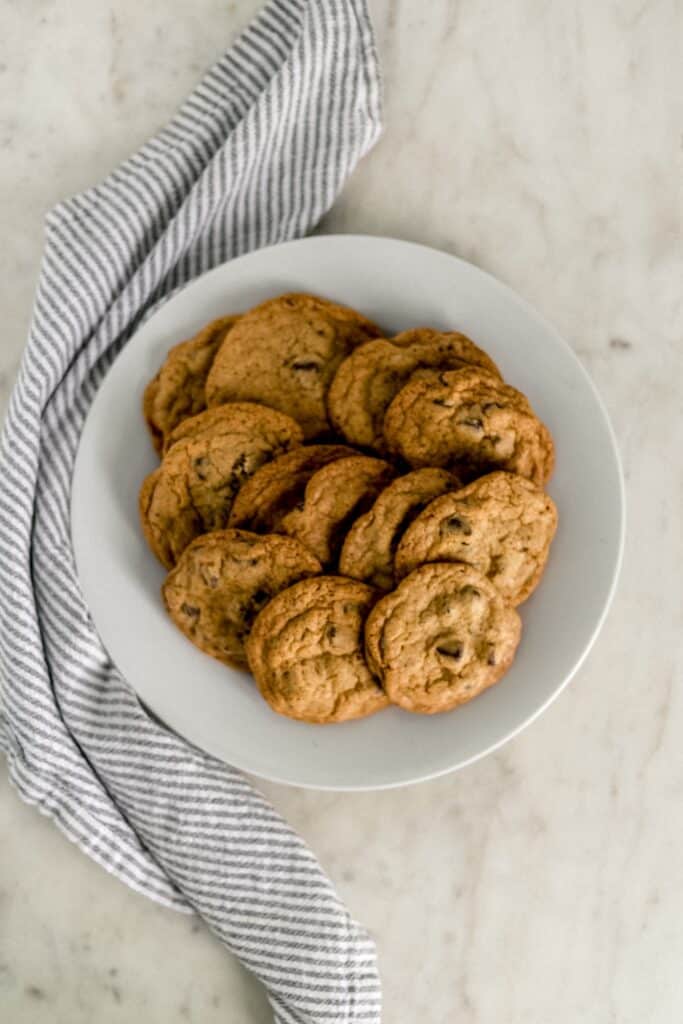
column 255, row 156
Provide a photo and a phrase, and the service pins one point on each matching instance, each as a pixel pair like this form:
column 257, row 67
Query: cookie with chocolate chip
column 371, row 377
column 501, row 524
column 441, row 638
column 193, row 489
column 333, row 498
column 305, row 651
column 470, row 421
column 370, row 546
column 279, row 486
column 284, row 354
column 177, row 390
column 222, row 581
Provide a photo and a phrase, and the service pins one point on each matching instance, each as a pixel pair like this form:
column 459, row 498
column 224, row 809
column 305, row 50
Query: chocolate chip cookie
column 193, row 489
column 224, row 579
column 470, row 421
column 177, row 390
column 305, row 651
column 284, row 354
column 279, row 486
column 502, row 525
column 334, row 496
column 441, row 638
column 374, row 373
column 368, row 552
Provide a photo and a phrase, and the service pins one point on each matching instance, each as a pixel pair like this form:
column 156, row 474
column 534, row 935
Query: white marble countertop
column 545, row 883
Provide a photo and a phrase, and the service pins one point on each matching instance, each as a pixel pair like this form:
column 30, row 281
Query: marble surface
column 544, row 142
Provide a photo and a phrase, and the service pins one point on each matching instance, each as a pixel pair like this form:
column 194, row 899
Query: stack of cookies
column 355, row 518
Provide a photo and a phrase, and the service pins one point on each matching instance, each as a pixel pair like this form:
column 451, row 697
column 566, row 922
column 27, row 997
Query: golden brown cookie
column 305, row 651
column 333, row 498
column 470, row 421
column 371, row 377
column 223, row 579
column 368, row 552
column 279, row 486
column 224, row 420
column 193, row 489
column 177, row 390
column 502, row 525
column 284, row 354
column 441, row 638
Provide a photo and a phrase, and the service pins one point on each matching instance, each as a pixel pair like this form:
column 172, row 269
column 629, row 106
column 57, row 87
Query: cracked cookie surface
column 333, row 498
column 223, row 579
column 305, row 651
column 501, row 524
column 279, row 486
column 370, row 546
column 177, row 390
column 193, row 489
column 441, row 638
column 470, row 421
column 371, row 377
column 284, row 353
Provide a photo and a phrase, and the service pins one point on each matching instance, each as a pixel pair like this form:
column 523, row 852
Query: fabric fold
column 255, row 156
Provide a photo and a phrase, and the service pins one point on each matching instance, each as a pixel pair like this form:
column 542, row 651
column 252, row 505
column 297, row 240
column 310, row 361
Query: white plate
column 399, row 285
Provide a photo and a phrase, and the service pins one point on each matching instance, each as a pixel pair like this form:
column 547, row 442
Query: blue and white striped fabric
column 255, row 156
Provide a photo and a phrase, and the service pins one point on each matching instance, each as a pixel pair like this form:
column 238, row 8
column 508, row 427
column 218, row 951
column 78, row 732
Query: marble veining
column 544, row 142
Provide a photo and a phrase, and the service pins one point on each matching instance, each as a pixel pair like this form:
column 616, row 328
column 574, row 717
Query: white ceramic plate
column 399, row 285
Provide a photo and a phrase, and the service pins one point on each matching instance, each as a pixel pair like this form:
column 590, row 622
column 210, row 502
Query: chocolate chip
column 458, row 525
column 240, row 463
column 452, row 650
column 306, row 367
column 491, row 660
column 189, row 610
column 200, row 466
column 254, row 605
column 331, row 632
